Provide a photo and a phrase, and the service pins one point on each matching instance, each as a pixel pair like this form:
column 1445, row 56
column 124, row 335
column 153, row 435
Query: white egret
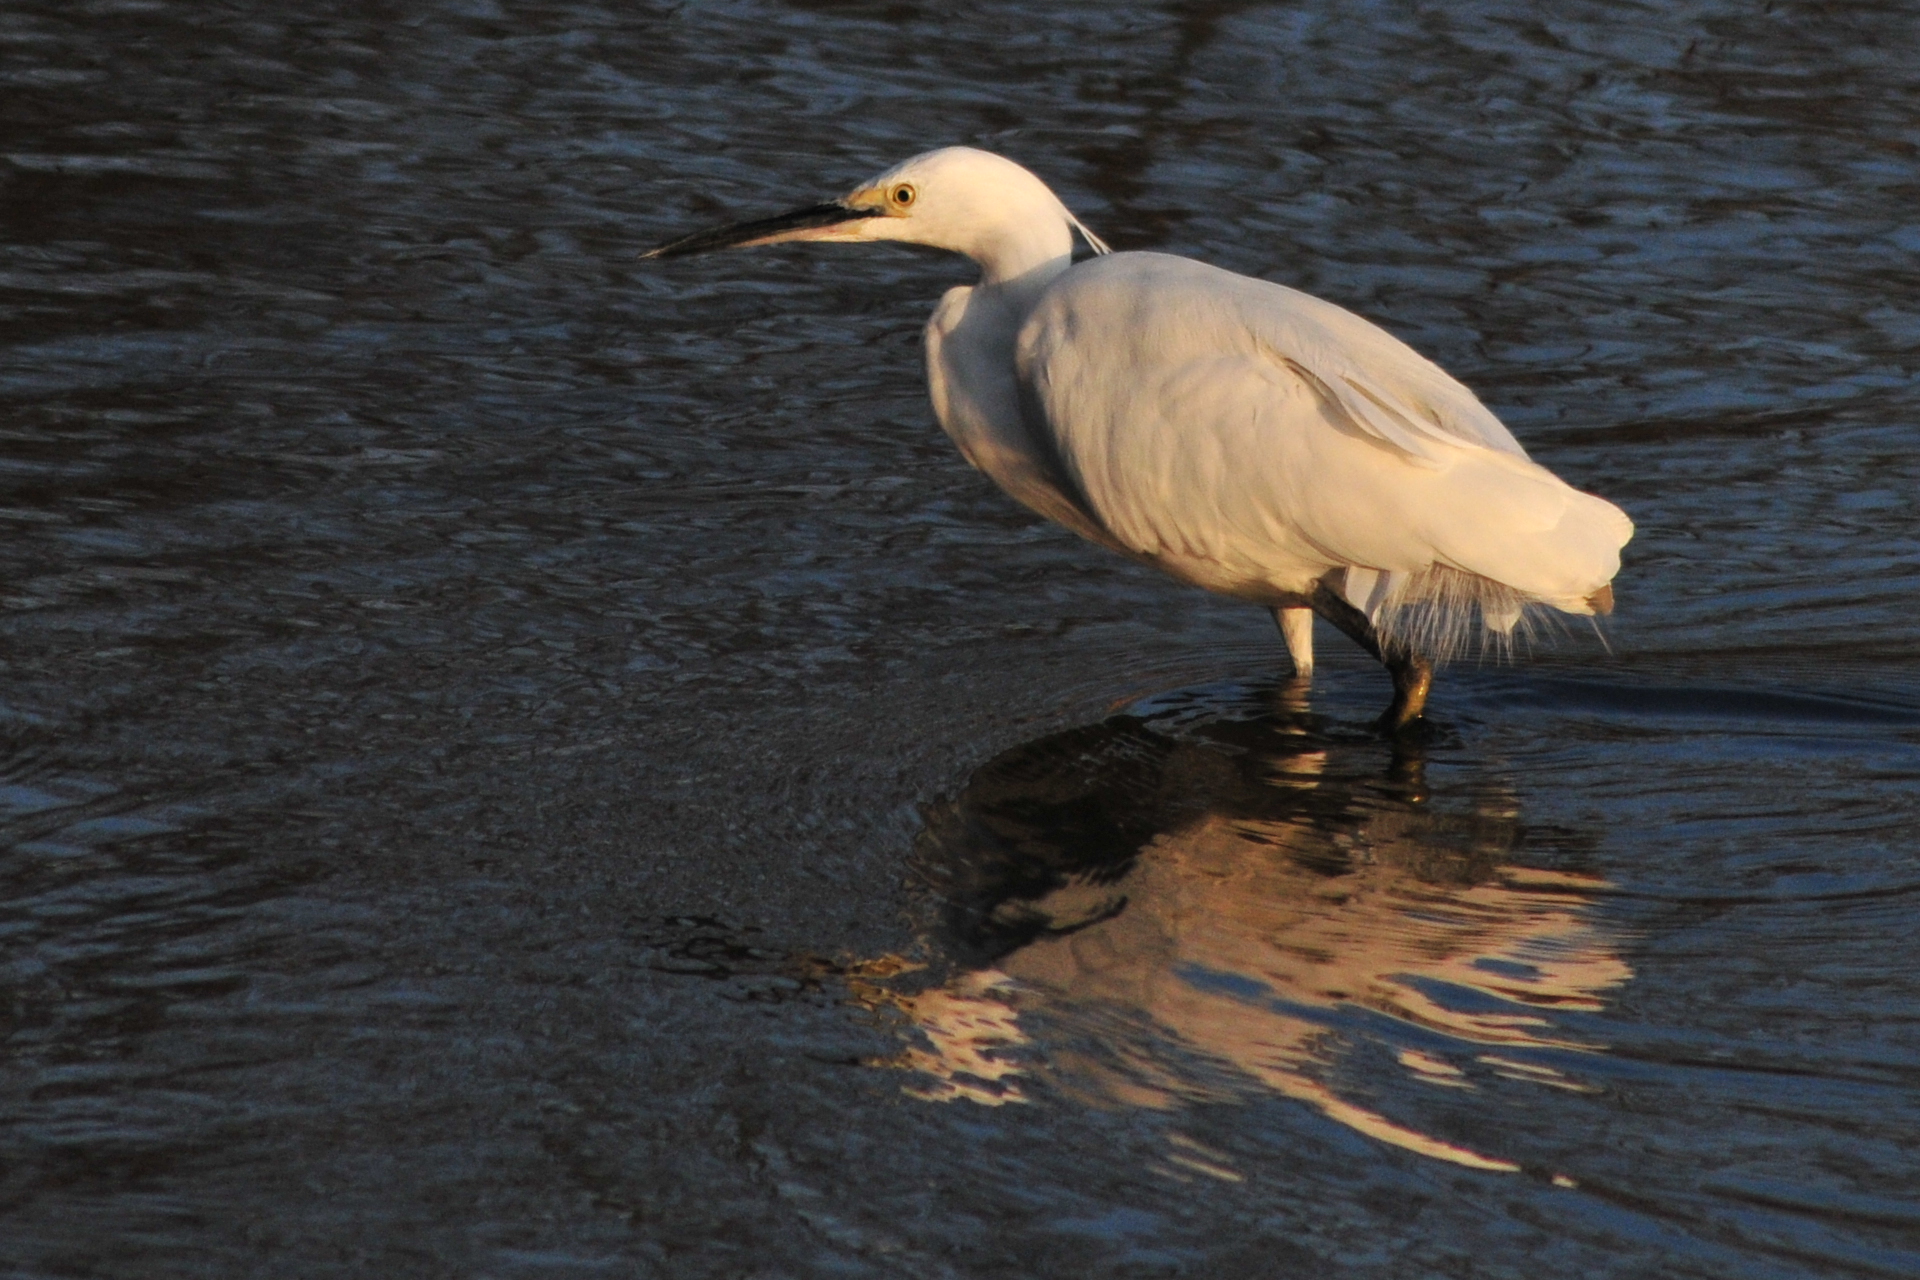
column 1240, row 435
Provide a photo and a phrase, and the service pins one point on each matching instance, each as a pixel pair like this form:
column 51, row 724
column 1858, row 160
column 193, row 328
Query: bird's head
column 967, row 201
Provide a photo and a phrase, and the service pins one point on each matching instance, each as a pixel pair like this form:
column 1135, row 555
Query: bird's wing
column 1207, row 415
column 1382, row 386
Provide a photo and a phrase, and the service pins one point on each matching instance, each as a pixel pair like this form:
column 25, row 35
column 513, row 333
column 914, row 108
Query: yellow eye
column 903, row 195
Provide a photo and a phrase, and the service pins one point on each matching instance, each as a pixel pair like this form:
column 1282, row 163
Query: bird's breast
column 976, row 397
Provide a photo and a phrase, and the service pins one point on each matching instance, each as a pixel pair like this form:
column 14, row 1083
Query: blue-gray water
column 517, row 763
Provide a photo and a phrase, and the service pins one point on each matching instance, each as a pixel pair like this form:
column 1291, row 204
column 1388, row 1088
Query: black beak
column 761, row 231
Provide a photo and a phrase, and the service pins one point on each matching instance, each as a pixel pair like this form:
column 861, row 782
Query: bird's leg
column 1412, row 674
column 1296, row 628
column 1412, row 681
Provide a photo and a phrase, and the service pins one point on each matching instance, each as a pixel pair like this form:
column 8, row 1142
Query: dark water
column 516, row 764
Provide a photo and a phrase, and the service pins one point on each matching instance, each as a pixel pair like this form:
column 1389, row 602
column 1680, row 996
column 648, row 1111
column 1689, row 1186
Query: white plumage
column 1238, row 434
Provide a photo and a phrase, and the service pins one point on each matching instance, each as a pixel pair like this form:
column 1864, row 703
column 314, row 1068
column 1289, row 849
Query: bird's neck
column 1028, row 253
column 1019, row 293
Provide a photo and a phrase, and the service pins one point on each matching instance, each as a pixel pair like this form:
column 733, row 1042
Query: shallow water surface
column 516, row 763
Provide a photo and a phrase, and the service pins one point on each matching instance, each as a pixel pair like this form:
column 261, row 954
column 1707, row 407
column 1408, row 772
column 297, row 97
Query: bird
column 1240, row 435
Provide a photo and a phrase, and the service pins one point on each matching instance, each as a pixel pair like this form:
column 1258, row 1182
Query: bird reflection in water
column 1197, row 904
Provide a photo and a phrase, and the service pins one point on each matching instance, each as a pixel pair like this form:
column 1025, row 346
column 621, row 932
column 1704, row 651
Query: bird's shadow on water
column 1220, row 895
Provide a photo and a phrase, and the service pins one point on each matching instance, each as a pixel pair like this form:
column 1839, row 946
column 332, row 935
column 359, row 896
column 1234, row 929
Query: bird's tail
column 1443, row 612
